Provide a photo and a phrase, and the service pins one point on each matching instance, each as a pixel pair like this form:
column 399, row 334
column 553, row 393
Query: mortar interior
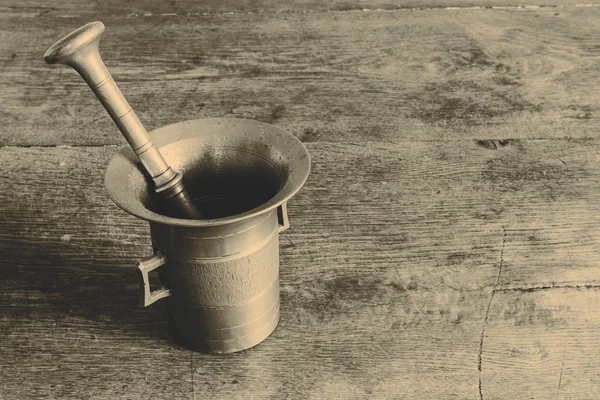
column 222, row 181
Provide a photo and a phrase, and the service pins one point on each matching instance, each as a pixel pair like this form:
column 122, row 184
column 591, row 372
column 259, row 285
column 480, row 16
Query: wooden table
column 445, row 246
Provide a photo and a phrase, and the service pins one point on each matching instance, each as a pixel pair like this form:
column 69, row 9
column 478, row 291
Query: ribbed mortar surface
column 226, row 303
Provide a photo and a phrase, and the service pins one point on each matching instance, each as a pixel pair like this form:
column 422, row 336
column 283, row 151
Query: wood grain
column 552, row 236
column 544, row 344
column 337, row 77
column 387, row 272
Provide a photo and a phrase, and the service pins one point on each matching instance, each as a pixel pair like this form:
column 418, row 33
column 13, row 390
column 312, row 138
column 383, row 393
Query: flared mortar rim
column 124, row 160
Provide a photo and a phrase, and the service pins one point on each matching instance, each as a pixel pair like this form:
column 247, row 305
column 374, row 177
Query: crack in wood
column 192, row 374
column 357, row 8
column 487, row 312
column 562, row 366
column 416, row 315
column 61, row 146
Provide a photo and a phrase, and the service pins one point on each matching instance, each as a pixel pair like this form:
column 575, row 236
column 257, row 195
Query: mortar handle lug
column 282, row 217
column 148, row 296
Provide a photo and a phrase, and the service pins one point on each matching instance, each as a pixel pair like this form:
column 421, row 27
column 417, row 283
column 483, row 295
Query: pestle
column 79, row 49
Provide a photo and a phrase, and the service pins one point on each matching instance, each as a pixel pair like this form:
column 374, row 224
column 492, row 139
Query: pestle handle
column 79, row 50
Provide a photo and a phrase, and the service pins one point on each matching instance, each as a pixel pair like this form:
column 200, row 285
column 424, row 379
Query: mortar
column 220, row 275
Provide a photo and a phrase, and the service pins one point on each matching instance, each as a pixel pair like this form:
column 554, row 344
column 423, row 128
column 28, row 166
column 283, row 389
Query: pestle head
column 86, row 37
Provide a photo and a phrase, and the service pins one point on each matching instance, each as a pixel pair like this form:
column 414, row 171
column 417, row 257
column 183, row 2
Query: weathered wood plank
column 369, row 76
column 544, row 344
column 365, row 290
column 44, row 357
column 113, row 7
column 387, row 272
column 553, row 235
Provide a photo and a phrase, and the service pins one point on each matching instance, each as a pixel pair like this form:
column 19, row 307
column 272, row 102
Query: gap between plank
column 391, row 8
column 357, row 9
column 548, row 287
column 558, row 139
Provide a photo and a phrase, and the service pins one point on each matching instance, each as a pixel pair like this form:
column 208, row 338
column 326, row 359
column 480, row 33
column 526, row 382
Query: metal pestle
column 79, row 50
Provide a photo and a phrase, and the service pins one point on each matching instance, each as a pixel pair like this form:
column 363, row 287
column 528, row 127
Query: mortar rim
column 131, row 204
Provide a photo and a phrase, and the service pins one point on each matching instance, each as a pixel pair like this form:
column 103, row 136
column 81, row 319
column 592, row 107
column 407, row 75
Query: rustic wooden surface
column 445, row 245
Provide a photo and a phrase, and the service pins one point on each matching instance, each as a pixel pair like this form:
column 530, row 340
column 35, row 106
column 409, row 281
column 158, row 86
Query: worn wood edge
column 149, row 8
